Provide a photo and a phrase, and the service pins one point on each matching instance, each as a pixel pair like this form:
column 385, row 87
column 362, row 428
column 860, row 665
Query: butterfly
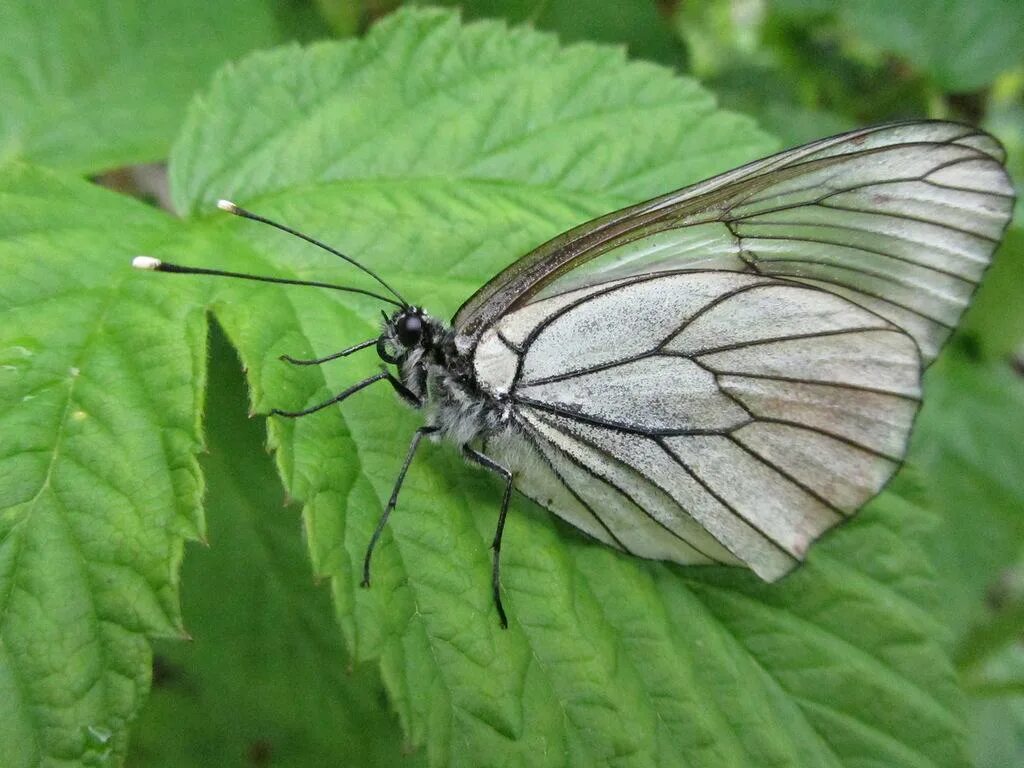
column 718, row 375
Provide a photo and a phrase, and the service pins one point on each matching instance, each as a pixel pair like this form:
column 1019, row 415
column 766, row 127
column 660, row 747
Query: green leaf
column 438, row 153
column 802, row 79
column 990, row 657
column 95, row 85
column 968, row 446
column 1001, row 629
column 992, row 662
column 998, row 729
column 995, row 320
column 639, row 24
column 962, row 44
column 344, row 17
column 333, row 103
column 101, row 375
column 265, row 674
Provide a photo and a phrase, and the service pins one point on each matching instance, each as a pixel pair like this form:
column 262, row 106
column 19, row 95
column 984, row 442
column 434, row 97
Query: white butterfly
column 720, row 374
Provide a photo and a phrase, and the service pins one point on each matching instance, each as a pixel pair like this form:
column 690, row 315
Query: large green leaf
column 962, row 44
column 992, row 664
column 995, row 320
column 969, row 447
column 438, row 154
column 265, row 674
column 998, row 729
column 101, row 375
column 93, row 85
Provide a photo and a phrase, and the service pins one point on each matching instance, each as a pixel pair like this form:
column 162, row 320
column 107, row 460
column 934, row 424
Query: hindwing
column 702, row 416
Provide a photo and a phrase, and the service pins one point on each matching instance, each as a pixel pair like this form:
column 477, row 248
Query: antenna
column 156, row 265
column 230, row 207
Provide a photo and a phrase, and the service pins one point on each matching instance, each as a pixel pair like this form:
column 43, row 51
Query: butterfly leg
column 403, row 391
column 336, row 399
column 321, row 360
column 413, row 445
column 488, row 463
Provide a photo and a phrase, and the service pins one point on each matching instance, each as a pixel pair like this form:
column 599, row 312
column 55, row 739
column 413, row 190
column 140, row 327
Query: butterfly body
column 439, row 379
column 460, row 411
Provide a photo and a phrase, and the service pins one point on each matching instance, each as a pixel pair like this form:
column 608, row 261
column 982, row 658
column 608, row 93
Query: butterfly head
column 408, row 329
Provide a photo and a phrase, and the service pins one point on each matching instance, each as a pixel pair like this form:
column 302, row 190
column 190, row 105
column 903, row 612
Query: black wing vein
column 615, row 459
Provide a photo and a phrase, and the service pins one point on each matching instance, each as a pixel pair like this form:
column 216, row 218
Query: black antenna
column 148, row 262
column 227, row 205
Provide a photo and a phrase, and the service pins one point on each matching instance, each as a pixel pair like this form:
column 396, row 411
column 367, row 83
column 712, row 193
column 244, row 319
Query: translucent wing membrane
column 722, row 374
column 900, row 219
column 702, row 416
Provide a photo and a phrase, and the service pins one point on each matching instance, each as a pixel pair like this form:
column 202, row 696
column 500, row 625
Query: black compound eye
column 409, row 329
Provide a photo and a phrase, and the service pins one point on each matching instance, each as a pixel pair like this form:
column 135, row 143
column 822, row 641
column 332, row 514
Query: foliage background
column 268, row 679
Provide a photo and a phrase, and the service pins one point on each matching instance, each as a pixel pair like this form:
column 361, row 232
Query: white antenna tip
column 227, row 205
column 146, row 262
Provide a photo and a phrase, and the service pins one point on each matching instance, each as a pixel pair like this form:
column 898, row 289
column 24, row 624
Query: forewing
column 702, row 416
column 900, row 219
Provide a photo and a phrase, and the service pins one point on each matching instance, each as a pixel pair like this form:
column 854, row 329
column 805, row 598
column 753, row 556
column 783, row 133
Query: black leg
column 336, row 399
column 403, row 391
column 413, row 445
column 488, row 463
column 335, row 356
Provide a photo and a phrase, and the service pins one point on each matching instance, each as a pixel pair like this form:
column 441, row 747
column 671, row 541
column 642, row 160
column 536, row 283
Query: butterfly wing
column 724, row 373
column 665, row 416
column 901, row 219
